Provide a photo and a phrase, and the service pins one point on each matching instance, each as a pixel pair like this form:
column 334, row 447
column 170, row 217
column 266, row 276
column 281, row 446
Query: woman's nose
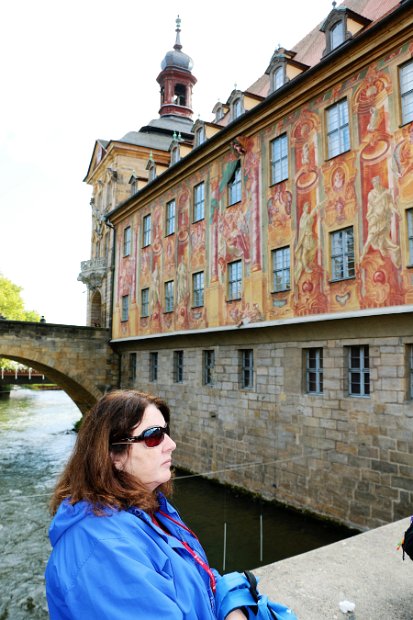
column 169, row 443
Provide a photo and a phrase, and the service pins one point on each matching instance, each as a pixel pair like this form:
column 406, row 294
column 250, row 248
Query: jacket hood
column 67, row 516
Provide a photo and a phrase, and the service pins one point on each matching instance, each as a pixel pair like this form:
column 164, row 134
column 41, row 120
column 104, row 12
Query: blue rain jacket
column 121, row 566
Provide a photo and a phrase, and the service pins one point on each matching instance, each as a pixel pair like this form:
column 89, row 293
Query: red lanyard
column 196, row 557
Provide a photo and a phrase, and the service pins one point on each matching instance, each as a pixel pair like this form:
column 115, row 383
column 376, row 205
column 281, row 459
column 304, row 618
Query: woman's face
column 151, row 466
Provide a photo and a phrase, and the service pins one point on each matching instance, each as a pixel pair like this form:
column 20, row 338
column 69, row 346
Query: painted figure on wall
column 381, row 217
column 182, row 283
column 154, row 298
column 306, row 247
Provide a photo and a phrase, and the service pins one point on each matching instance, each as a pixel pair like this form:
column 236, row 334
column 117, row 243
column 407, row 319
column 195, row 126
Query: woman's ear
column 118, row 460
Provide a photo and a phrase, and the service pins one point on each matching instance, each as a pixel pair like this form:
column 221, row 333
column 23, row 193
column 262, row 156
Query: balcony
column 93, row 272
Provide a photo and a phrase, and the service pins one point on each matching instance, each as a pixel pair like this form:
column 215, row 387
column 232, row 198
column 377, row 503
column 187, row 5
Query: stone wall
column 349, row 458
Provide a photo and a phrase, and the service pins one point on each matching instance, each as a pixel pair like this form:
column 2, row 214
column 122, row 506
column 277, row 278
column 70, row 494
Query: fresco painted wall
column 368, row 188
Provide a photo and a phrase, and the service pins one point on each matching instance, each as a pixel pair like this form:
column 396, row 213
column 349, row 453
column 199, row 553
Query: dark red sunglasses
column 152, row 437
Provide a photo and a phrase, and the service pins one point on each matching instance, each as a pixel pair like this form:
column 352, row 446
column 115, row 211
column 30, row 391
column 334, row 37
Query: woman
column 120, row 550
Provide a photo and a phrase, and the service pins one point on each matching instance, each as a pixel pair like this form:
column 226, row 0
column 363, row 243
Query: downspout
column 112, row 294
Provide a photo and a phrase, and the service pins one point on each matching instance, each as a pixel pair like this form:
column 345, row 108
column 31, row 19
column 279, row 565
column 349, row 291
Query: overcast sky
column 72, row 72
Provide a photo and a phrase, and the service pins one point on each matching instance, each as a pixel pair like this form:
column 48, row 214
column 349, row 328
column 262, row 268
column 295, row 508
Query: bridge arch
column 78, row 359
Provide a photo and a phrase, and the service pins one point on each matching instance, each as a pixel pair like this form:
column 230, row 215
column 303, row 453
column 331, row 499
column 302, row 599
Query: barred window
column 178, row 369
column 153, row 366
column 314, row 370
column 132, row 367
column 359, row 370
column 247, row 368
column 208, row 365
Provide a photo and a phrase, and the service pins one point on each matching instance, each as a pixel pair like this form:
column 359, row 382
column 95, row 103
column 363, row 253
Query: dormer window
column 175, row 154
column 337, row 35
column 277, row 78
column 133, row 182
column 151, row 167
column 237, row 108
column 341, row 24
column 200, row 136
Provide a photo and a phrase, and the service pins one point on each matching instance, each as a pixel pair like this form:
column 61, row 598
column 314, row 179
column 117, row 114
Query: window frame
column 132, row 367
column 153, row 366
column 234, row 186
column 362, row 371
column 127, row 241
column 339, row 131
column 346, row 255
column 314, row 370
column 234, row 283
column 144, row 302
column 334, row 44
column 237, row 108
column 125, row 308
column 200, row 135
column 284, row 269
column 170, row 218
column 246, row 369
column 279, row 161
column 208, row 365
column 406, row 95
column 178, row 366
column 146, row 230
column 169, row 295
column 198, row 289
column 198, row 211
column 409, row 228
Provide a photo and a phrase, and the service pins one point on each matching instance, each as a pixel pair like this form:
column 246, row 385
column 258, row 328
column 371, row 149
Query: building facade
column 262, row 283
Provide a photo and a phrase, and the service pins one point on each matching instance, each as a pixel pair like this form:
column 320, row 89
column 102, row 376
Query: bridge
column 20, row 377
column 78, row 359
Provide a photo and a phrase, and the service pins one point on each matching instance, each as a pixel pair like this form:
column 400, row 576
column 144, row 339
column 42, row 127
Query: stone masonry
column 345, row 457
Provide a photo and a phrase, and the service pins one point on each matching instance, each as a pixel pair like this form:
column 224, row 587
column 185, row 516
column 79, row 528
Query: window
column 133, row 185
column 234, row 186
column 410, row 234
column 237, row 108
column 132, row 367
column 169, row 296
column 198, row 289
column 199, row 202
column 146, row 230
column 153, row 366
column 314, row 370
column 170, row 217
column 125, row 308
column 406, row 91
column 338, row 130
column 200, row 136
column 279, row 159
column 281, row 269
column 234, row 280
column 337, row 33
column 247, row 368
column 411, row 371
column 144, row 302
column 358, row 370
column 127, row 241
column 342, row 254
column 175, row 154
column 208, row 365
column 178, row 370
column 277, row 78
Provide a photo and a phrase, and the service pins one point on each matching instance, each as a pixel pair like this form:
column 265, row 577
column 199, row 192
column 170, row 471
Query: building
column 262, row 280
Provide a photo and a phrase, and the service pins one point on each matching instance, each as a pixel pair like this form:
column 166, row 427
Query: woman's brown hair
column 90, row 473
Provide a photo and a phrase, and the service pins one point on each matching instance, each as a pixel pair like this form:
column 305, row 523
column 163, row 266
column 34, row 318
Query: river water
column 35, row 440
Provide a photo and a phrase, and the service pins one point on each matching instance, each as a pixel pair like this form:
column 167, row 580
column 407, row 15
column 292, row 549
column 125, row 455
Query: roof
column 310, row 49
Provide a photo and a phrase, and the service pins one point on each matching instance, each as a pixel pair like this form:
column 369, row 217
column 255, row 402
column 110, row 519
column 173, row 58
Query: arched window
column 337, row 35
column 237, row 108
column 180, row 94
column 278, row 78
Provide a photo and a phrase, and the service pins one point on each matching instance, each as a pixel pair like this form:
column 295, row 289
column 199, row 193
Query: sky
column 73, row 72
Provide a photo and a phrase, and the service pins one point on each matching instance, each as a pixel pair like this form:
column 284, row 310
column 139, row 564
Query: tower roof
column 176, row 57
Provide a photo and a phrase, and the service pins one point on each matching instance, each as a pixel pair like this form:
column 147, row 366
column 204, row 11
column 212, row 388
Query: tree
column 12, row 308
column 12, row 304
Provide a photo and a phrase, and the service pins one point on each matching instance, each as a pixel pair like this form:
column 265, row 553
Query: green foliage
column 12, row 304
column 12, row 308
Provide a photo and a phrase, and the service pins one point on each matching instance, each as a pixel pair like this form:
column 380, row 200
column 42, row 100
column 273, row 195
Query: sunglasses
column 152, row 437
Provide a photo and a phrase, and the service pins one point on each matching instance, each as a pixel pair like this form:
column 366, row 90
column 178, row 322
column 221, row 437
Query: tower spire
column 178, row 45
